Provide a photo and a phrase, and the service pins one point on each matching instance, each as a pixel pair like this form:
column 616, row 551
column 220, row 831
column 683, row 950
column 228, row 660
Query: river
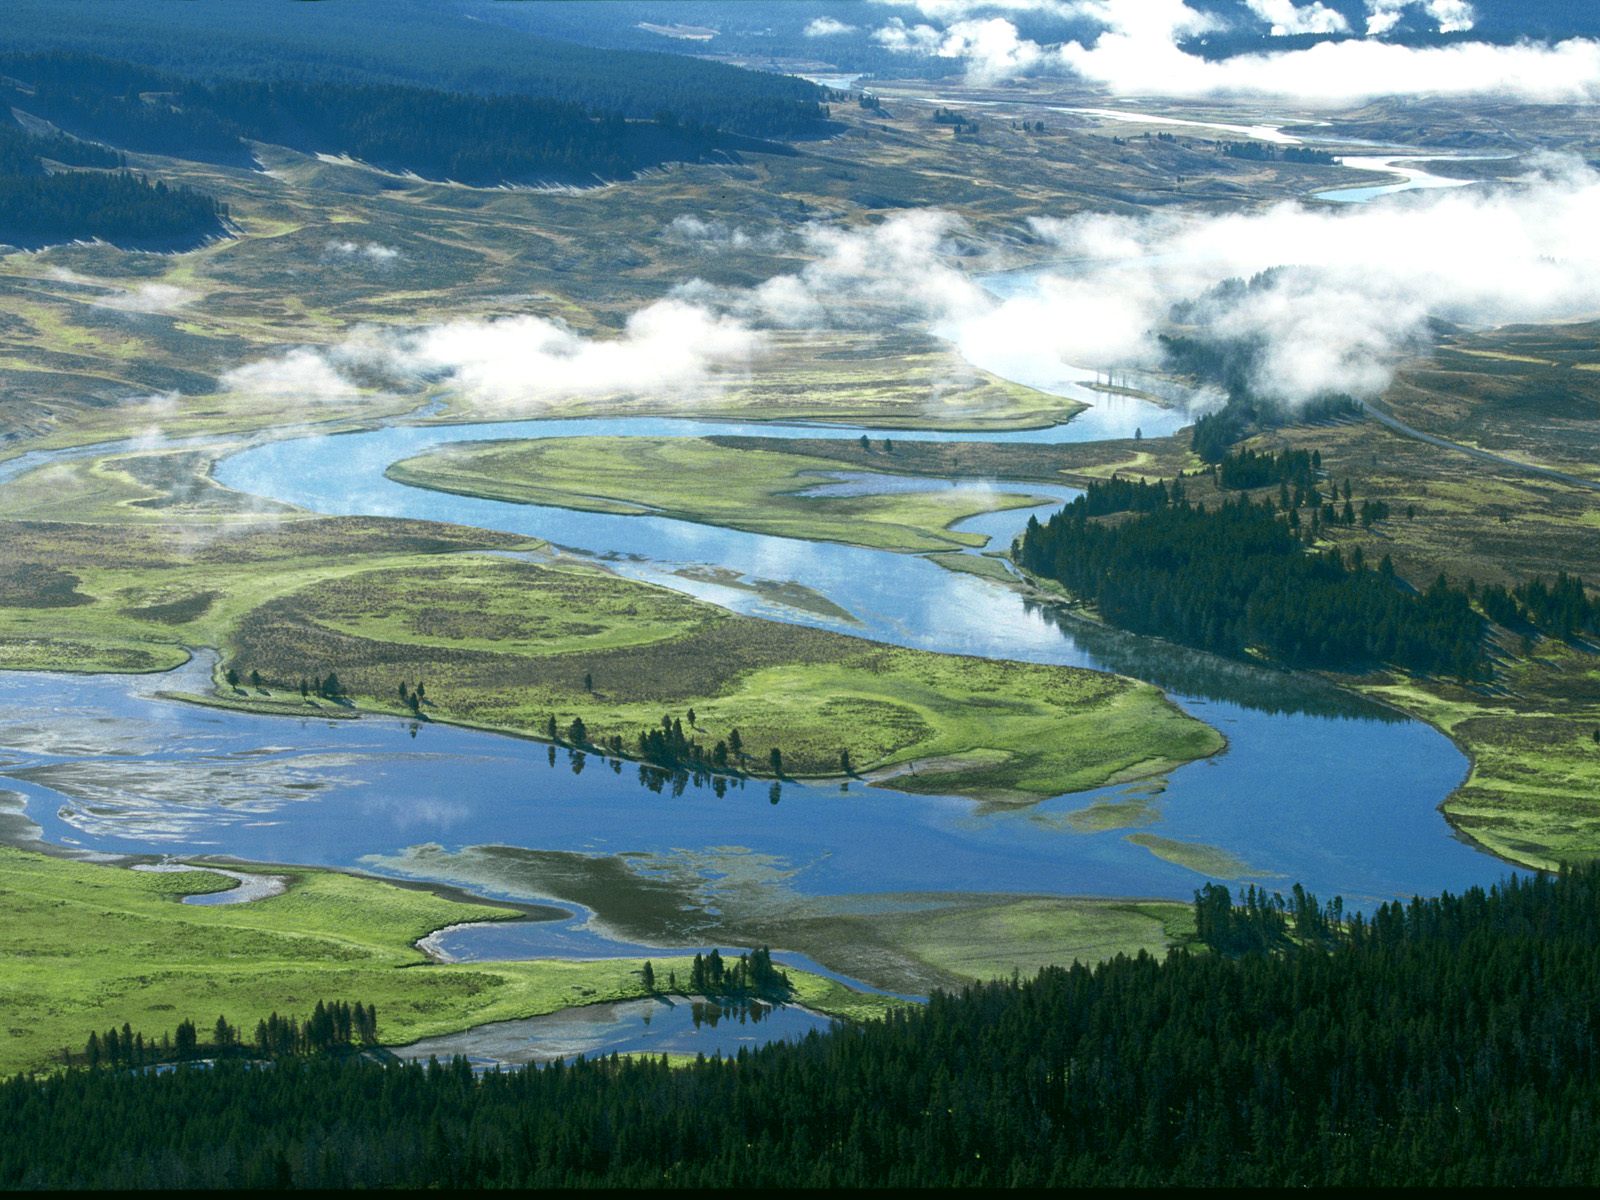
column 1315, row 786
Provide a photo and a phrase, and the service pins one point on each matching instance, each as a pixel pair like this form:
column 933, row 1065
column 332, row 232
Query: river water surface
column 1315, row 786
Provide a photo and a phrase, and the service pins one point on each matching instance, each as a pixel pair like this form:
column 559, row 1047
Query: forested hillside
column 1246, row 575
column 445, row 45
column 440, row 135
column 1447, row 1042
column 41, row 203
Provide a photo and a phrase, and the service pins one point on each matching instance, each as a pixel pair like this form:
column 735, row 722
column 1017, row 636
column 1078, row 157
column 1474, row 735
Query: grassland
column 89, row 946
column 508, row 645
column 148, row 561
column 159, row 559
column 754, row 489
column 1528, row 393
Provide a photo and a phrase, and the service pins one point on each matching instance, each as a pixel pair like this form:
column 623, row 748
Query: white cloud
column 1344, row 293
column 670, row 347
column 899, row 268
column 715, row 234
column 1346, row 71
column 374, row 252
column 139, row 298
column 1350, row 290
column 1450, row 16
column 990, row 49
column 946, row 11
column 300, row 375
column 1287, row 18
column 149, row 298
column 1138, row 52
column 520, row 364
column 827, row 27
column 911, row 39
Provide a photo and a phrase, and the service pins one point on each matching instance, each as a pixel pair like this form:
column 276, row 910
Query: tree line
column 1439, row 1042
column 1562, row 609
column 469, row 138
column 1238, row 577
column 1262, row 152
column 40, row 205
column 332, row 1026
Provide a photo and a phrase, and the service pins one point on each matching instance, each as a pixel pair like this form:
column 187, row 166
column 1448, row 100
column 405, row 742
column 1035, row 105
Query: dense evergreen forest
column 1240, row 576
column 1262, row 152
column 41, row 204
column 474, row 139
column 1447, row 1042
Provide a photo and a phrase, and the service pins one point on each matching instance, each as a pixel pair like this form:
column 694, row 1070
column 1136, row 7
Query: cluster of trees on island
column 1444, row 1042
column 752, row 975
column 666, row 753
column 41, row 203
column 670, row 749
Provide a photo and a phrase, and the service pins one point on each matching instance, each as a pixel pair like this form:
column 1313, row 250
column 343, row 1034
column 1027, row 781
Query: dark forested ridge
column 1240, row 575
column 479, row 47
column 41, row 204
column 440, row 135
column 1442, row 1042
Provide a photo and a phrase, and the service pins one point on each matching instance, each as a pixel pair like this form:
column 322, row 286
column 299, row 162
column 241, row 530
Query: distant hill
column 477, row 139
column 459, row 46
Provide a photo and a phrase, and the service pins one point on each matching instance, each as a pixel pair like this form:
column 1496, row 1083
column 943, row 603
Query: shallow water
column 677, row 1026
column 1410, row 177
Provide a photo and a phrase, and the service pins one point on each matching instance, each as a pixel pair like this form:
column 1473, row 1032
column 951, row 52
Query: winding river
column 1315, row 786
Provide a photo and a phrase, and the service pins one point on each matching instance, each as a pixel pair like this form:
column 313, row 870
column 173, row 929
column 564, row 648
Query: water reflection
column 1194, row 674
column 666, row 1025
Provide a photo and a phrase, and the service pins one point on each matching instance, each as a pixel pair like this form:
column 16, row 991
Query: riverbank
column 751, row 488
column 512, row 646
column 92, row 946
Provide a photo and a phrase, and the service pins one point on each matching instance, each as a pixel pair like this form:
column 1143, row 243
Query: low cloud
column 139, row 298
column 373, row 252
column 1340, row 295
column 827, row 27
column 149, row 298
column 1138, row 50
column 904, row 268
column 1334, row 297
column 1286, row 18
column 1448, row 16
column 668, row 349
column 701, row 339
column 300, row 376
column 991, row 49
column 692, row 230
column 1345, row 71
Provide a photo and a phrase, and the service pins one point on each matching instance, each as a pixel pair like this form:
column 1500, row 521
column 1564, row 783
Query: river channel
column 1314, row 787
